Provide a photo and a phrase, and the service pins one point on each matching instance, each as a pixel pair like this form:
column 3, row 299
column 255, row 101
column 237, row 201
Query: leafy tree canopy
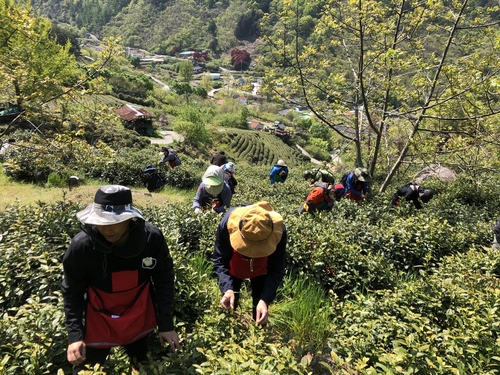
column 373, row 70
column 34, row 68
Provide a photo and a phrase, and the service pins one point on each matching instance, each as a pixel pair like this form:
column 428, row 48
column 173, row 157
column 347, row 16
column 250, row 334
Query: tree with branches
column 401, row 80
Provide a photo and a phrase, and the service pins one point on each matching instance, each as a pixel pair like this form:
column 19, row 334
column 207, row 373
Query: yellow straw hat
column 255, row 230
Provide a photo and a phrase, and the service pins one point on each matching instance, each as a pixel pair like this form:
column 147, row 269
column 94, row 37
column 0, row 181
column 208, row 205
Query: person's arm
column 417, row 204
column 198, row 197
column 233, row 181
column 275, row 270
column 272, row 171
column 226, row 196
column 74, row 287
column 162, row 276
column 396, row 196
column 328, row 206
column 163, row 283
column 272, row 174
column 415, row 198
column 365, row 188
column 222, row 255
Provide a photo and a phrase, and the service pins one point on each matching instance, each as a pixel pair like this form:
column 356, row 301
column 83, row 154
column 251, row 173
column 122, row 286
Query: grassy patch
column 30, row 193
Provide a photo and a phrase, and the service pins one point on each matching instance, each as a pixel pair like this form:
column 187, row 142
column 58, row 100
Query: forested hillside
column 371, row 287
column 158, row 26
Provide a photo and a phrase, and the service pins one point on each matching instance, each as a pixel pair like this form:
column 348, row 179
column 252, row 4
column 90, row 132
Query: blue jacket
column 274, row 173
column 353, row 185
column 223, row 253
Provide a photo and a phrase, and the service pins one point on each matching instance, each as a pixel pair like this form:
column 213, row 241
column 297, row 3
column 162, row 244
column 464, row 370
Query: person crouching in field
column 169, row 157
column 412, row 192
column 318, row 175
column 356, row 184
column 250, row 244
column 112, row 269
column 279, row 172
column 322, row 198
column 213, row 194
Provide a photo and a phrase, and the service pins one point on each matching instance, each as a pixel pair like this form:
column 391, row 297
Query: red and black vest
column 121, row 317
column 243, row 267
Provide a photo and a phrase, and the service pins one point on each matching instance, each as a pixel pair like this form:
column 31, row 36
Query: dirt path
column 168, row 137
column 335, row 158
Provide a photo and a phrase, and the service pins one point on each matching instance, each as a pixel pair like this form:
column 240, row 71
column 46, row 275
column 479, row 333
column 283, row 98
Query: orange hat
column 255, row 230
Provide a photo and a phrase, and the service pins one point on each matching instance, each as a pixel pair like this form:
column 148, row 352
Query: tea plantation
column 370, row 288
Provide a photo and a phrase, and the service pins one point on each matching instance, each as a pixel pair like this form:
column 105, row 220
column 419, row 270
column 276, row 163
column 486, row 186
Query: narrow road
column 335, row 157
column 168, row 137
column 314, row 161
column 165, row 86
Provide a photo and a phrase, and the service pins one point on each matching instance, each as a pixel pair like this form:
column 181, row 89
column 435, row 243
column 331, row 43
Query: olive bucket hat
column 213, row 178
column 362, row 174
column 112, row 205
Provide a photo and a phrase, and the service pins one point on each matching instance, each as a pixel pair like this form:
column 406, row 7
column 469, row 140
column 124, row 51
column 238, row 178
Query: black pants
column 137, row 351
column 257, row 285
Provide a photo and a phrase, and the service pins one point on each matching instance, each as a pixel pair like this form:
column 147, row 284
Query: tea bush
column 33, row 340
column 32, row 243
column 370, row 288
column 443, row 322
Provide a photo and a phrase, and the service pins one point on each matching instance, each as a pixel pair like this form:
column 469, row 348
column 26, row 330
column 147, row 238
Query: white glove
column 197, row 210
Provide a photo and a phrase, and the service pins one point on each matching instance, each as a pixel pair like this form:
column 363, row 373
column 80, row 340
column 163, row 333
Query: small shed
column 242, row 100
column 198, row 69
column 255, row 125
column 137, row 118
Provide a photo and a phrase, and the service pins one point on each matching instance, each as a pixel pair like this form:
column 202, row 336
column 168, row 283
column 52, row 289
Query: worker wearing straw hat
column 250, row 244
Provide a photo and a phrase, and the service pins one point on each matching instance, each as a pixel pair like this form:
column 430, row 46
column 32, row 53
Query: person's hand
column 227, row 300
column 261, row 314
column 171, row 338
column 197, row 210
column 76, row 353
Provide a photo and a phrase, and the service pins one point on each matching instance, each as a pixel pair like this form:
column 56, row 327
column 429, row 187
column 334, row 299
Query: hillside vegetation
column 370, row 288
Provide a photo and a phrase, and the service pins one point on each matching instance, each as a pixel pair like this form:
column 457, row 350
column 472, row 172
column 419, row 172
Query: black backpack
column 343, row 180
column 152, row 179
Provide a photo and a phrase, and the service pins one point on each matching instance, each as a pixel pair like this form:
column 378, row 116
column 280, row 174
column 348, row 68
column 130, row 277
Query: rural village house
column 137, row 118
column 255, row 125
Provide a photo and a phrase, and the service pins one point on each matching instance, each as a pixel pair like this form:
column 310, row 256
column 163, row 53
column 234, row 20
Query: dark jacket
column 91, row 261
column 409, row 192
column 202, row 198
column 218, row 159
column 223, row 253
column 321, row 175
